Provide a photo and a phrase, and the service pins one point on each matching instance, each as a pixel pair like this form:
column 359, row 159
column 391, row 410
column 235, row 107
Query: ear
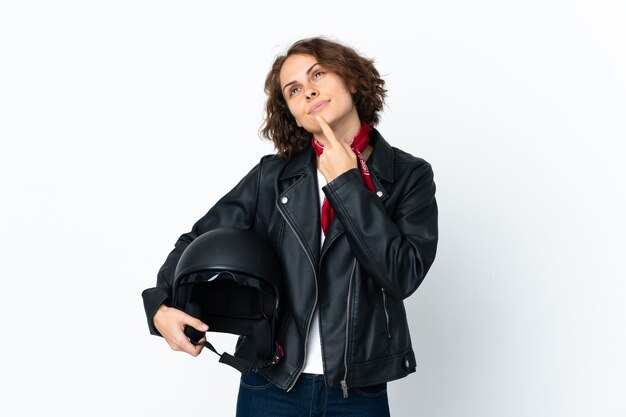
column 298, row 123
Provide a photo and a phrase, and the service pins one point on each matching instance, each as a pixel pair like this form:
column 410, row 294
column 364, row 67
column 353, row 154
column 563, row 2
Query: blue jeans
column 308, row 398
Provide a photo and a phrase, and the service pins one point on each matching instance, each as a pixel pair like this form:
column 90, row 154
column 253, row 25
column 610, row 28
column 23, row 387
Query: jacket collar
column 381, row 162
column 299, row 164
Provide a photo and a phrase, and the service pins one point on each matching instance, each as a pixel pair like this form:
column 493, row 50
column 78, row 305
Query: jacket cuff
column 343, row 179
column 152, row 300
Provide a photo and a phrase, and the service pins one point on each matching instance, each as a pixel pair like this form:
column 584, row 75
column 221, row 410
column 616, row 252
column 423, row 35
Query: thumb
column 196, row 324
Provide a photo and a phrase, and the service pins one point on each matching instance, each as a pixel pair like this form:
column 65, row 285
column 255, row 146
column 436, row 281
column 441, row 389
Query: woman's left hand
column 337, row 157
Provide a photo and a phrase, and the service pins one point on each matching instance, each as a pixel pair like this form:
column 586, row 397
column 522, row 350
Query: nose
column 311, row 93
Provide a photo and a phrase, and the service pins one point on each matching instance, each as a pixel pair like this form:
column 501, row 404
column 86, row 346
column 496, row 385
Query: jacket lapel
column 381, row 162
column 335, row 229
column 298, row 198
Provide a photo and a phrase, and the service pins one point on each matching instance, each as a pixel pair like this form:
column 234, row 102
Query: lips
column 318, row 107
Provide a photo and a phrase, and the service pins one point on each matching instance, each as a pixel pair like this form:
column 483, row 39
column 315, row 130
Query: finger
column 197, row 351
column 198, row 348
column 328, row 132
column 181, row 343
column 195, row 323
column 192, row 349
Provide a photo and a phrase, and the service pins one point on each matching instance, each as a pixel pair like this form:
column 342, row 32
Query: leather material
column 377, row 251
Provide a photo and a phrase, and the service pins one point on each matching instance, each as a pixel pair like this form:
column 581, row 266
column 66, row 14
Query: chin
column 330, row 119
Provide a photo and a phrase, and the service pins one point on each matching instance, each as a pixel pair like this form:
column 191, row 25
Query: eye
column 293, row 91
column 318, row 74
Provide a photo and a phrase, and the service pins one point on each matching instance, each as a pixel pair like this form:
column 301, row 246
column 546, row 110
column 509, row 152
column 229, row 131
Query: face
column 310, row 89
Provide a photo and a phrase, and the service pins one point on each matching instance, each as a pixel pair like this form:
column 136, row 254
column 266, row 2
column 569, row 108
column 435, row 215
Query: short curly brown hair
column 356, row 71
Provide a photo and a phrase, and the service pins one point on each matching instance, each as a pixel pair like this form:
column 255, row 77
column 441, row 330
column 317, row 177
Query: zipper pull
column 344, row 388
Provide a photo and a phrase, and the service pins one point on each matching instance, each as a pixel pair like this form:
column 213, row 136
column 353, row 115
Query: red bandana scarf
column 358, row 145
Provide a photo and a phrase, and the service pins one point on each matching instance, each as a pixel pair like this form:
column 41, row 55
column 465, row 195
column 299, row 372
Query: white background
column 122, row 122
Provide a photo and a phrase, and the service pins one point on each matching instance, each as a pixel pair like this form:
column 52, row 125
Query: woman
column 354, row 222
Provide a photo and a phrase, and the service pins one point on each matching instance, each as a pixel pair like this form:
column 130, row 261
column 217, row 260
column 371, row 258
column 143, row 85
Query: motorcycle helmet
column 230, row 279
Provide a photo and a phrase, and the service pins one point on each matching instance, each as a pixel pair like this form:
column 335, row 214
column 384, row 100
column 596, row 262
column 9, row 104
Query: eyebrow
column 294, row 81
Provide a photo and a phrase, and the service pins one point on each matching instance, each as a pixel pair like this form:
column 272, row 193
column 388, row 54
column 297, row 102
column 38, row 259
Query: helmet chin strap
column 242, row 365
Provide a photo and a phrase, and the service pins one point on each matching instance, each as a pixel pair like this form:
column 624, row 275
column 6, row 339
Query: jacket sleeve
column 236, row 209
column 397, row 248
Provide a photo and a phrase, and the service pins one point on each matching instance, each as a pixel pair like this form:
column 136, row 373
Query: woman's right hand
column 170, row 322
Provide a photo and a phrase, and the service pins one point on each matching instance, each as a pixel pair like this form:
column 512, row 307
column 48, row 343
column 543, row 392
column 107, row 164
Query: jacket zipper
column 308, row 326
column 344, row 382
column 386, row 313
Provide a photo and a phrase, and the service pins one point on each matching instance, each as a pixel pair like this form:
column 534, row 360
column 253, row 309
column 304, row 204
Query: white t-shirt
column 314, row 364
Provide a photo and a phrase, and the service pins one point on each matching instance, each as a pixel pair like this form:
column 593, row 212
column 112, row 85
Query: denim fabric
column 309, row 398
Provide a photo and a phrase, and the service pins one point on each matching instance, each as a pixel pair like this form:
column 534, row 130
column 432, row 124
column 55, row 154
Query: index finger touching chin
column 328, row 132
column 322, row 122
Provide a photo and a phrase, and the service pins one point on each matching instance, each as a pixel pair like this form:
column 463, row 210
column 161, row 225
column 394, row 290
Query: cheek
column 297, row 108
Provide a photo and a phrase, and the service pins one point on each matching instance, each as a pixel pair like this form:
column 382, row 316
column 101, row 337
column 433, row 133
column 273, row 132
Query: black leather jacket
column 376, row 253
